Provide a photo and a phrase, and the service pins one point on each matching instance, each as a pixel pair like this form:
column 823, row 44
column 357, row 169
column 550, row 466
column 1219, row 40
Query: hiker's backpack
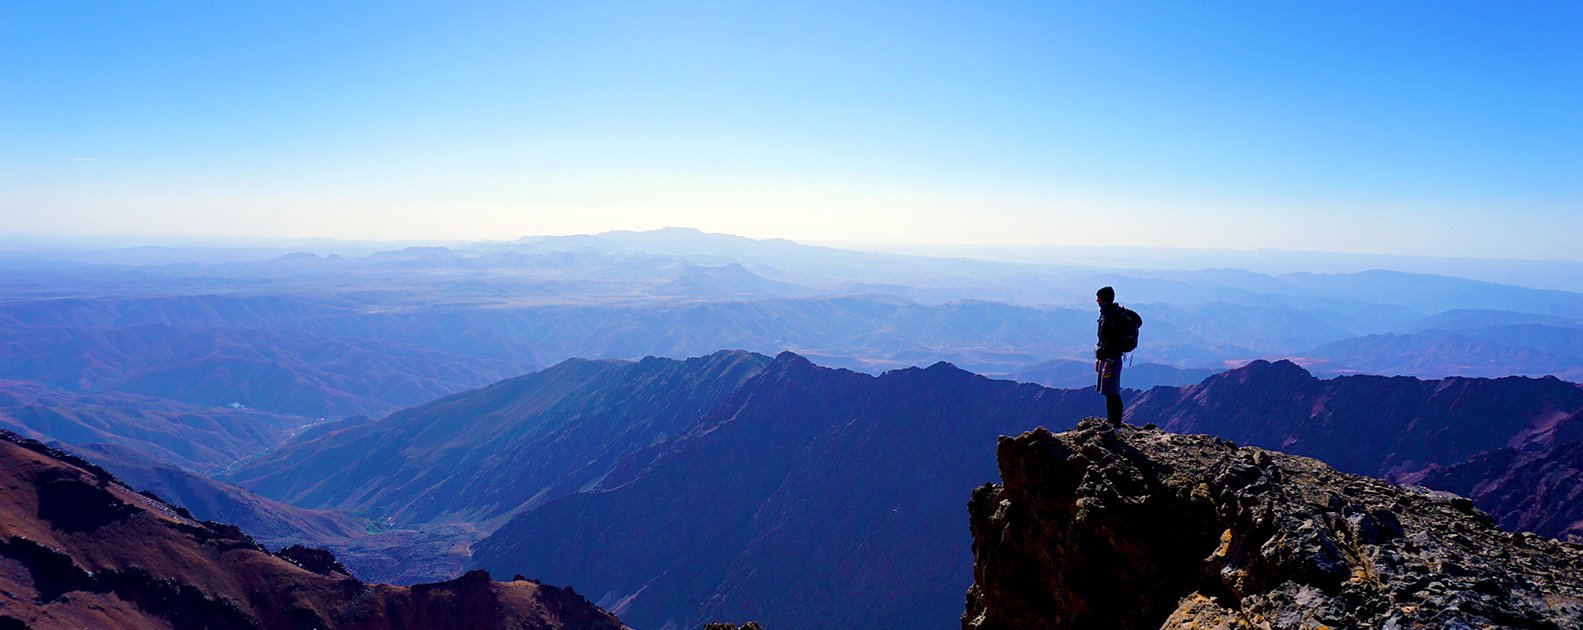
column 1127, row 337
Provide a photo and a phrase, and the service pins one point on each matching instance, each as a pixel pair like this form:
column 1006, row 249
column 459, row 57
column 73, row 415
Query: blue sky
column 1410, row 127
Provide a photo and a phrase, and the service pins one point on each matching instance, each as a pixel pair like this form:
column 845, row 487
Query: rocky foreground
column 1149, row 529
column 78, row 549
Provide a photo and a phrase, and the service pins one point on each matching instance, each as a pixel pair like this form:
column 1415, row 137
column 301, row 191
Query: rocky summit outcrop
column 78, row 549
column 1511, row 444
column 1149, row 529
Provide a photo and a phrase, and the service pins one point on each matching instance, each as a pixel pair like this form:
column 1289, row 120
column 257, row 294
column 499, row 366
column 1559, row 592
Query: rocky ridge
column 1191, row 531
column 1511, row 444
column 80, row 549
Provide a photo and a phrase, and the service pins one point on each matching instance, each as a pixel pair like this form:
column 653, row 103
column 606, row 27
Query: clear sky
column 1394, row 127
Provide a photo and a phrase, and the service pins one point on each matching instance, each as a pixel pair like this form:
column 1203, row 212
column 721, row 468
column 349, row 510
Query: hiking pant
column 1110, row 386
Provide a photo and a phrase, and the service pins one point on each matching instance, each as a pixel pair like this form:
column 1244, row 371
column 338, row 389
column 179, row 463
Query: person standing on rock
column 1118, row 335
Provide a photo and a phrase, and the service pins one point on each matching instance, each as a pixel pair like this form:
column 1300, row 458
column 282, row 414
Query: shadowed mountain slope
column 486, row 453
column 1538, row 491
column 1401, row 428
column 78, row 549
column 1158, row 530
column 162, row 446
column 371, row 552
column 1408, row 423
column 270, row 522
column 193, row 437
column 812, row 497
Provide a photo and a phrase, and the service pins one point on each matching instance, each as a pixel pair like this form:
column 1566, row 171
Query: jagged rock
column 1148, row 529
column 319, row 561
column 1539, row 490
column 1512, row 444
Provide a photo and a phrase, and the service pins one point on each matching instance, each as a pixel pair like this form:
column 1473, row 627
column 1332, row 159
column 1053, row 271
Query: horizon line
column 231, row 241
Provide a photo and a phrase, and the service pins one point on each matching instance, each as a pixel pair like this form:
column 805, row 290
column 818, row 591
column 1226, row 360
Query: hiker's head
column 1105, row 295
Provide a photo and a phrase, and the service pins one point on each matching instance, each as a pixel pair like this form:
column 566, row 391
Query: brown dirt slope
column 80, row 549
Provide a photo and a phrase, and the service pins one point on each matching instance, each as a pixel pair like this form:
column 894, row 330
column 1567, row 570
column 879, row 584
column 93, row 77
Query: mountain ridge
column 871, row 467
column 82, row 550
column 551, row 432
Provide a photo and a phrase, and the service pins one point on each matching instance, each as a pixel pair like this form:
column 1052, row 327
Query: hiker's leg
column 1110, row 386
column 1113, row 409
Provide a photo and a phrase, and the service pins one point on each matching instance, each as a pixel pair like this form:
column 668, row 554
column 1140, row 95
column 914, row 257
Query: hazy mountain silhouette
column 1525, row 349
column 295, row 373
column 1078, row 374
column 727, row 281
column 506, row 307
column 192, row 437
column 1464, row 319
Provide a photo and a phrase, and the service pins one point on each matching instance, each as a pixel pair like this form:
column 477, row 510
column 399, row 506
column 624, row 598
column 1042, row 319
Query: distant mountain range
column 356, row 401
column 332, row 359
column 1075, row 374
column 179, row 434
column 287, row 372
column 1522, row 349
column 371, row 332
column 735, row 486
column 595, row 433
column 732, row 458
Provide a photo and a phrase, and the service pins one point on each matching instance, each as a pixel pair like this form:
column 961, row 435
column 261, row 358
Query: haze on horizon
column 1442, row 129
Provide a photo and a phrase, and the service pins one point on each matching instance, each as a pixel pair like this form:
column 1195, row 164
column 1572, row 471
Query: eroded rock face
column 1150, row 529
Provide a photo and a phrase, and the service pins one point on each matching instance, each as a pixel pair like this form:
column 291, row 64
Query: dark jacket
column 1113, row 325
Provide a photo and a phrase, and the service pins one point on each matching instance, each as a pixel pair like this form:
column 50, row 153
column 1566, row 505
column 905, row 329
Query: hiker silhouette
column 1118, row 335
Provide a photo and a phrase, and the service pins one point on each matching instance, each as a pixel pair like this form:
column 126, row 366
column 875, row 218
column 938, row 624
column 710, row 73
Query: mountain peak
column 1282, row 369
column 1225, row 534
column 788, row 364
column 787, row 357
